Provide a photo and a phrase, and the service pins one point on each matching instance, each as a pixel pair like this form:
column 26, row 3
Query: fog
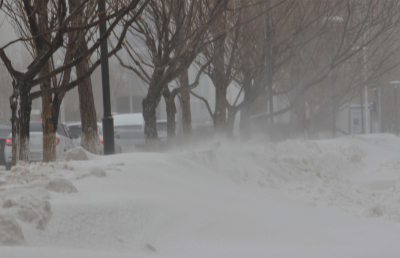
column 276, row 134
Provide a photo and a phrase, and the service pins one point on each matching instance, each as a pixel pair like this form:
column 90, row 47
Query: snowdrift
column 333, row 198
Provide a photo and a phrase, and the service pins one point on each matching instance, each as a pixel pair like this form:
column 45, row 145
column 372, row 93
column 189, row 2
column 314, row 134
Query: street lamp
column 395, row 106
column 108, row 121
column 365, row 126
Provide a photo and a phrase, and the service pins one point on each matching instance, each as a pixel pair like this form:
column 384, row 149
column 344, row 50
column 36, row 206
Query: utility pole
column 395, row 108
column 333, row 106
column 380, row 109
column 108, row 121
column 366, row 91
column 362, row 112
column 396, row 119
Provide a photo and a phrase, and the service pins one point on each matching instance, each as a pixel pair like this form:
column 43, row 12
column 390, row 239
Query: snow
column 297, row 198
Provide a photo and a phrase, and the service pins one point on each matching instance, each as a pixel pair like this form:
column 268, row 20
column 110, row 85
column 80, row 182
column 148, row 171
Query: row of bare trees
column 64, row 33
column 311, row 53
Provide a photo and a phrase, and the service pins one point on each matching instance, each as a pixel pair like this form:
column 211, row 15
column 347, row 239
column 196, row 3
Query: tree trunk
column 220, row 110
column 90, row 140
column 186, row 111
column 149, row 115
column 269, row 69
column 230, row 123
column 150, row 104
column 21, row 106
column 220, row 82
column 171, row 111
column 244, row 125
column 48, row 123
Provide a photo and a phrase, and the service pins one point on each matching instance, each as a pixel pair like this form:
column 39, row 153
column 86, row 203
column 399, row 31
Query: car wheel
column 8, row 166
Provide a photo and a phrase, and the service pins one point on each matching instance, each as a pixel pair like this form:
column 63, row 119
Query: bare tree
column 90, row 138
column 51, row 42
column 297, row 47
column 171, row 44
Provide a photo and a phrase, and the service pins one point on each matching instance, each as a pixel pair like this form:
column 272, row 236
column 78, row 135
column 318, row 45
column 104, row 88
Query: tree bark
column 186, row 111
column 269, row 65
column 21, row 106
column 90, row 140
column 220, row 110
column 230, row 123
column 171, row 111
column 149, row 115
column 49, row 124
column 149, row 105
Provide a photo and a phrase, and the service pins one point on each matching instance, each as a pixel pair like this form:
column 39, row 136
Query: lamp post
column 367, row 123
column 108, row 121
column 379, row 107
column 396, row 126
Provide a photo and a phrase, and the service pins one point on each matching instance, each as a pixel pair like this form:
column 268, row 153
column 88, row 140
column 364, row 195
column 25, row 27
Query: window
column 75, row 131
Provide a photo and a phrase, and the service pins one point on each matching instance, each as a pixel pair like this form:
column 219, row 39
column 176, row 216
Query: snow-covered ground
column 298, row 198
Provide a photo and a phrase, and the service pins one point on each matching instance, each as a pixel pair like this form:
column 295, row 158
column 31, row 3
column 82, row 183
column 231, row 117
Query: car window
column 69, row 134
column 60, row 130
column 75, row 131
column 65, row 131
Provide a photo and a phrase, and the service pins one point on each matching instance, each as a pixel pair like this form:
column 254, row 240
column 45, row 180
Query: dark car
column 5, row 131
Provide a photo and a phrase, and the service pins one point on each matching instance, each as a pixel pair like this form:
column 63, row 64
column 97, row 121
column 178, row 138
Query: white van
column 133, row 121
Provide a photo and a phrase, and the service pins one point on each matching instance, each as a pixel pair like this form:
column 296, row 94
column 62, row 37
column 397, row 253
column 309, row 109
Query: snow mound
column 285, row 193
column 78, row 153
column 25, row 197
column 275, row 165
column 61, row 185
column 10, row 231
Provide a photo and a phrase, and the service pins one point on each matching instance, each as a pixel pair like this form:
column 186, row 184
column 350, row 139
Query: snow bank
column 25, row 193
column 277, row 165
column 333, row 198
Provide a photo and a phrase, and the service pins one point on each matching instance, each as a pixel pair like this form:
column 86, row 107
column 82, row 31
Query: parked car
column 75, row 130
column 130, row 140
column 63, row 143
column 5, row 131
column 162, row 130
column 132, row 121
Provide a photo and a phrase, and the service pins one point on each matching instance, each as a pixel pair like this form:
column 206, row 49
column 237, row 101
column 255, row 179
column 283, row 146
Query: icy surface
column 298, row 198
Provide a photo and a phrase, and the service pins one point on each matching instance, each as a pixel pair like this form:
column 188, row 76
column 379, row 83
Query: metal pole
column 396, row 126
column 366, row 92
column 108, row 121
column 395, row 110
column 362, row 112
column 379, row 109
column 333, row 107
column 130, row 99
